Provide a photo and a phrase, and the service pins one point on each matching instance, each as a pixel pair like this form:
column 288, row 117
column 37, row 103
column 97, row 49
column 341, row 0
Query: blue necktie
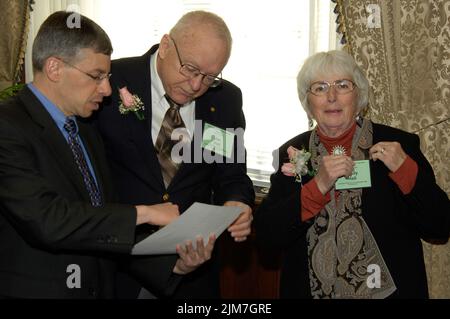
column 80, row 159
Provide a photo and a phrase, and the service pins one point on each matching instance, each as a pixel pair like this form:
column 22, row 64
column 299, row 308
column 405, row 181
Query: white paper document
column 198, row 220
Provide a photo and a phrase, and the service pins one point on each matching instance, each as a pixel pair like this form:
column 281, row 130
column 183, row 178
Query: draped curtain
column 404, row 47
column 14, row 22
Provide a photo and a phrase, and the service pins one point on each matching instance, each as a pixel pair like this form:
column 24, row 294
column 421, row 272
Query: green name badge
column 218, row 140
column 359, row 179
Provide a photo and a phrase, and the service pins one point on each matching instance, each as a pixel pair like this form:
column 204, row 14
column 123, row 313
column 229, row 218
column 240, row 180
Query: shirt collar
column 156, row 80
column 56, row 114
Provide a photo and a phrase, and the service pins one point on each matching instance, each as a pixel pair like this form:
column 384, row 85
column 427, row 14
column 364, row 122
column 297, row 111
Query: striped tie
column 80, row 160
column 164, row 143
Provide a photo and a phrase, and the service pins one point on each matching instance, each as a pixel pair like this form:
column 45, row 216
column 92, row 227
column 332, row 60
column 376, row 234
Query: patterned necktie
column 80, row 159
column 164, row 143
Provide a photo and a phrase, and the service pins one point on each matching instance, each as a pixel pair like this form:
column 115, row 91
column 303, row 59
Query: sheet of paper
column 359, row 179
column 199, row 219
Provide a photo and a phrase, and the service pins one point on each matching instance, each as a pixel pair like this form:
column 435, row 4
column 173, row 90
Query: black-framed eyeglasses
column 191, row 71
column 98, row 79
column 342, row 86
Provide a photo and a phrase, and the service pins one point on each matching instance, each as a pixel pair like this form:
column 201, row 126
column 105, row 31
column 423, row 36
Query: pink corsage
column 298, row 163
column 130, row 103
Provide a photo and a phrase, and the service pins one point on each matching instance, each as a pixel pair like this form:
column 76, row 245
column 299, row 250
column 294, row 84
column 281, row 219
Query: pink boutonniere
column 131, row 103
column 298, row 164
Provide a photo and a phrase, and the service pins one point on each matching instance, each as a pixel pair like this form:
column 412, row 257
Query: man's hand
column 159, row 214
column 242, row 227
column 190, row 258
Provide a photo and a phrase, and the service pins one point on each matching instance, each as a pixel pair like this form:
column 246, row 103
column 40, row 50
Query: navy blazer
column 397, row 221
column 136, row 170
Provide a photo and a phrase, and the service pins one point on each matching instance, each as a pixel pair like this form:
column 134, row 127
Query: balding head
column 192, row 23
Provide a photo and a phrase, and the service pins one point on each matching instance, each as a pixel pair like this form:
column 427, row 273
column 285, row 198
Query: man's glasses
column 98, row 79
column 322, row 87
column 191, row 71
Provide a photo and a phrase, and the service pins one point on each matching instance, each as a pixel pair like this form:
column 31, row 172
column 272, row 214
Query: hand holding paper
column 331, row 168
column 242, row 227
column 198, row 220
column 158, row 214
column 191, row 258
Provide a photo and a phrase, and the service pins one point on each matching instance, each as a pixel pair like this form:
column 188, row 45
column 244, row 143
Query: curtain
column 14, row 22
column 404, row 47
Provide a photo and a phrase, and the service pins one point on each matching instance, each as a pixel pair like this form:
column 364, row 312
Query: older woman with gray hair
column 351, row 199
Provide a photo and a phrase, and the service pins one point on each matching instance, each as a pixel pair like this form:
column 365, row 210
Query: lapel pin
column 212, row 109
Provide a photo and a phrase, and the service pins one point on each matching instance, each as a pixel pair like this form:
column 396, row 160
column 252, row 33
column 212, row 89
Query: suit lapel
column 140, row 131
column 55, row 141
column 150, row 171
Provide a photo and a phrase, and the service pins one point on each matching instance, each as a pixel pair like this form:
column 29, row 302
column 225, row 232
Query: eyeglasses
column 191, row 71
column 98, row 79
column 321, row 88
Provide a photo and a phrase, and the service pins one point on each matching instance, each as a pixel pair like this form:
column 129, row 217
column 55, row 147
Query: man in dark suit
column 184, row 69
column 59, row 236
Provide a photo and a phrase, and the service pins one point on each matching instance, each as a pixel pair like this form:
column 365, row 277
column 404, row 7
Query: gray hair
column 208, row 20
column 331, row 62
column 57, row 37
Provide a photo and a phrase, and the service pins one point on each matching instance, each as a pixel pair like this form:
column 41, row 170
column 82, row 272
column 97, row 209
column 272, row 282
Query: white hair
column 332, row 62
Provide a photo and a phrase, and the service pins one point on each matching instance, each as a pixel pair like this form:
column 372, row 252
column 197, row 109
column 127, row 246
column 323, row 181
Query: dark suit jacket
column 136, row 170
column 397, row 221
column 46, row 220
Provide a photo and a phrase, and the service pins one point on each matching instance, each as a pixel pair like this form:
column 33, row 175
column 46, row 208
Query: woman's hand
column 390, row 153
column 331, row 168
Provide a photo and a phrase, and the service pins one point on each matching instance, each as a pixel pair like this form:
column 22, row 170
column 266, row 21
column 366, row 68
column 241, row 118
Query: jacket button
column 92, row 292
column 166, row 197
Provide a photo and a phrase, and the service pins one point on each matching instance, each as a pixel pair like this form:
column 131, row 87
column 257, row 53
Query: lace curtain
column 404, row 46
column 14, row 22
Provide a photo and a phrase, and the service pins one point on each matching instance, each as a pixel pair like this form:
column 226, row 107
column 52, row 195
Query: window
column 271, row 39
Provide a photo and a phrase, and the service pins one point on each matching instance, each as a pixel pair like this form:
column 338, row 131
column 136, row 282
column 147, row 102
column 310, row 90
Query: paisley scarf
column 343, row 256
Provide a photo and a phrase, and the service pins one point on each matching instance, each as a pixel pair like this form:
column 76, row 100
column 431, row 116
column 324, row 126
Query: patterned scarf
column 342, row 252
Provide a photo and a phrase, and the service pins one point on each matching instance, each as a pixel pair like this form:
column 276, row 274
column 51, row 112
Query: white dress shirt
column 160, row 104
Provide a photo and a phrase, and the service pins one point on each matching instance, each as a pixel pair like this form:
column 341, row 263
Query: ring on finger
column 382, row 150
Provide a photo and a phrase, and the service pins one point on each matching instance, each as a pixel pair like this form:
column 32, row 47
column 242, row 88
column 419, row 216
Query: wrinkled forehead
column 201, row 37
column 206, row 52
